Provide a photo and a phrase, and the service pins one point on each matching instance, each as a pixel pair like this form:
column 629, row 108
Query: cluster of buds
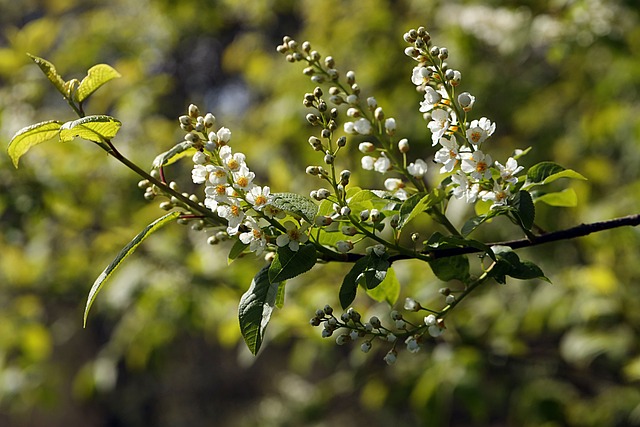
column 350, row 327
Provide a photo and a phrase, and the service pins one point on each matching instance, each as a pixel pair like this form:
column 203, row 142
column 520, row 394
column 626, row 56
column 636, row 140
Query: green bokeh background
column 162, row 346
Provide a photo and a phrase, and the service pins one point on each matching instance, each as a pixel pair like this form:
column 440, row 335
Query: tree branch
column 566, row 234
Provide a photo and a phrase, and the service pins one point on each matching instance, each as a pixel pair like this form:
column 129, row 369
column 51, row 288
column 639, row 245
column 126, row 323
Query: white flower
column 259, row 197
column 417, row 169
column 218, row 175
column 367, row 163
column 224, row 136
column 412, row 345
column 293, row 237
column 393, row 184
column 233, row 214
column 435, row 330
column 391, row 357
column 199, row 158
column 466, row 101
column 448, row 155
column 465, row 189
column 480, row 130
column 431, row 98
column 232, row 161
column 255, row 237
column 200, row 173
column 508, row 172
column 215, row 194
column 420, row 75
column 430, row 320
column 499, row 195
column 439, row 124
column 476, row 164
column 243, row 178
column 382, row 164
column 349, row 128
column 362, row 126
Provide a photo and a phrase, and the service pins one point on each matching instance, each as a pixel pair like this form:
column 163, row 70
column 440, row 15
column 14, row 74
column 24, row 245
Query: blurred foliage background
column 162, row 346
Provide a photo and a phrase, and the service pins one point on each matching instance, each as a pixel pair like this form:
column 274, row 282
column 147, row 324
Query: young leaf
column 388, row 290
column 566, row 198
column 280, row 295
column 295, row 205
column 350, row 282
column 92, row 128
column 440, row 241
column 50, row 71
column 414, row 206
column 375, row 272
column 178, row 151
column 288, row 264
column 124, row 253
column 255, row 308
column 509, row 264
column 546, row 172
column 236, row 250
column 96, row 77
column 30, row 136
column 450, row 268
column 525, row 210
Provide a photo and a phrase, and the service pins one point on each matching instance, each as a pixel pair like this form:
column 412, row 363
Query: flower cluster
column 475, row 175
column 230, row 190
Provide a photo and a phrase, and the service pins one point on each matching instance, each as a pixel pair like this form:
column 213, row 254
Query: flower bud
column 352, row 99
column 194, row 112
column 366, row 147
column 323, row 221
column 315, row 143
column 411, row 305
column 466, row 101
column 365, row 346
column 344, row 246
column 403, row 145
column 312, row 118
column 390, row 126
column 342, row 141
column 351, row 77
column 391, row 357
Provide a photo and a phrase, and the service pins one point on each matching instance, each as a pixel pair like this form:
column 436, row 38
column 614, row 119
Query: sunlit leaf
column 255, row 308
column 92, row 128
column 288, row 264
column 124, row 253
column 414, row 206
column 296, row 205
column 178, row 151
column 236, row 250
column 50, row 71
column 566, row 198
column 547, row 172
column 388, row 290
column 30, row 136
column 96, row 77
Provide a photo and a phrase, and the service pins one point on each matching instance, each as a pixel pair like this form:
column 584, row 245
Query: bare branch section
column 554, row 236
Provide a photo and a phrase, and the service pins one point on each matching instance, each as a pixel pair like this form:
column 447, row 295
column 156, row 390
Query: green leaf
column 280, row 296
column 124, row 253
column 375, row 272
column 546, row 172
column 236, row 250
column 92, row 128
column 50, row 71
column 450, row 268
column 566, row 198
column 366, row 200
column 255, row 308
column 288, row 264
column 180, row 150
column 350, row 282
column 296, row 205
column 388, row 290
column 31, row 136
column 96, row 77
column 509, row 264
column 525, row 210
column 414, row 206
